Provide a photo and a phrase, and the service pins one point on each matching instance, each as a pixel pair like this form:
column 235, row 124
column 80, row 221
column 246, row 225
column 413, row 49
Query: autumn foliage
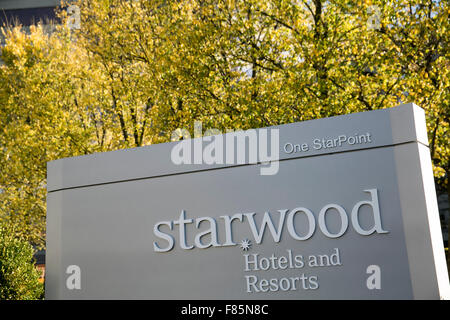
column 134, row 71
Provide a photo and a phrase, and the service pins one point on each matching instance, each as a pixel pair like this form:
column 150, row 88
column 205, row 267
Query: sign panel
column 336, row 208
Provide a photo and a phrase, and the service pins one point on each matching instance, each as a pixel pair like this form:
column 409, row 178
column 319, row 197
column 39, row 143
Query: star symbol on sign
column 246, row 245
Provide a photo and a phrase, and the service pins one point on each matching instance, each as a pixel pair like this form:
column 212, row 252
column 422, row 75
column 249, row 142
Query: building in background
column 39, row 262
column 27, row 12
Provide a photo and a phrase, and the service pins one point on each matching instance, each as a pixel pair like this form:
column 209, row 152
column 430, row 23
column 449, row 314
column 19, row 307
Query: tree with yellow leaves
column 128, row 73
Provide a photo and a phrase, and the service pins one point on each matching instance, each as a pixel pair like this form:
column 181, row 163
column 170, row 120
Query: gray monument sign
column 336, row 208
